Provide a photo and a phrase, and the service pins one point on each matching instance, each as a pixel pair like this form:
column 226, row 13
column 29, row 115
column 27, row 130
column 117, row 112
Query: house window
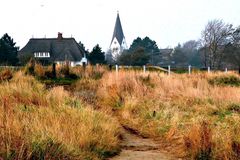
column 41, row 54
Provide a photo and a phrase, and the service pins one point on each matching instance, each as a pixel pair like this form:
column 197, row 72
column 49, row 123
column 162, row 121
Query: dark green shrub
column 72, row 76
column 225, row 81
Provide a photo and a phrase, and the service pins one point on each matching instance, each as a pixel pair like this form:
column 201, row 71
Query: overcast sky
column 168, row 22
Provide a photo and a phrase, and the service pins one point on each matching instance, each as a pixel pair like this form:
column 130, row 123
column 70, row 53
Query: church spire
column 118, row 43
column 118, row 31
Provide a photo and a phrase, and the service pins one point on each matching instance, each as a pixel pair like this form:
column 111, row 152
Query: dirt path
column 135, row 147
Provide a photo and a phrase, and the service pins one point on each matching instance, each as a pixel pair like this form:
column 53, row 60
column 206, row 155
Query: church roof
column 59, row 49
column 118, row 31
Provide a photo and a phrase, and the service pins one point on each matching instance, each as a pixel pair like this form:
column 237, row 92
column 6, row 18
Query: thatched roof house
column 58, row 50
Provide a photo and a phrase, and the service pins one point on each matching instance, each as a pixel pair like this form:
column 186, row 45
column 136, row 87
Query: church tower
column 118, row 43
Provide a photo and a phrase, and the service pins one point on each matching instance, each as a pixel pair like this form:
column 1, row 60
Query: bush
column 49, row 74
column 6, row 75
column 66, row 73
column 72, row 76
column 231, row 80
column 65, row 70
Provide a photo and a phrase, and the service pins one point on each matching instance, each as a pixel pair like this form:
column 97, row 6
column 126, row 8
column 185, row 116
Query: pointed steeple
column 118, row 42
column 118, row 31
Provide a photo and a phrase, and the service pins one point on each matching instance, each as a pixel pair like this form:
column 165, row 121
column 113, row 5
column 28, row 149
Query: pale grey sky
column 168, row 22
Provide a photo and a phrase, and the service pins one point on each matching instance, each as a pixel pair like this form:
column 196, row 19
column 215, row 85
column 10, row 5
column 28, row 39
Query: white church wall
column 115, row 48
column 124, row 44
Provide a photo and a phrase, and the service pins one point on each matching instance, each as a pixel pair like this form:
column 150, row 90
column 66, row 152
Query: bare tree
column 214, row 37
column 232, row 49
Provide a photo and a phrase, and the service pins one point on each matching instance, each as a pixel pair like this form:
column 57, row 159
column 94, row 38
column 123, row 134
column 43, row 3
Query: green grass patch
column 222, row 114
column 58, row 81
column 162, row 130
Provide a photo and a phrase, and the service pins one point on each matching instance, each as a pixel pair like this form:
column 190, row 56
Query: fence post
column 209, row 69
column 54, row 70
column 116, row 68
column 84, row 66
column 169, row 69
column 144, row 69
column 226, row 70
column 189, row 69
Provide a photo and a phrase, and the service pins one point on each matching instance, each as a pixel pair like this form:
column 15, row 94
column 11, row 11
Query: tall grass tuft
column 36, row 123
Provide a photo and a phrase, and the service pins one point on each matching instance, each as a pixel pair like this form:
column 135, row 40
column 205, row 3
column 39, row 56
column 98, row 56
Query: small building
column 55, row 50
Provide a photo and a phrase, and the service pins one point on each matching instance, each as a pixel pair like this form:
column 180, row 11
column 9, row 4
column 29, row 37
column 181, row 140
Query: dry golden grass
column 90, row 72
column 36, row 123
column 192, row 117
column 198, row 119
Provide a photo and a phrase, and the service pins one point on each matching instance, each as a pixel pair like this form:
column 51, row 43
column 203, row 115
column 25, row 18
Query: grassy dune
column 198, row 119
column 36, row 123
column 194, row 116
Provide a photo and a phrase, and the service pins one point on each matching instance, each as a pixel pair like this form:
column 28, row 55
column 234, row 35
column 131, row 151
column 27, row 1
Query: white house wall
column 73, row 63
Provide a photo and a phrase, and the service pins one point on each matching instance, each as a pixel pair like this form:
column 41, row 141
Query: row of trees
column 145, row 51
column 219, row 47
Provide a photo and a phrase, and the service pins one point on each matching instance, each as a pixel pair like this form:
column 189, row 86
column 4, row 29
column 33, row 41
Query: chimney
column 59, row 36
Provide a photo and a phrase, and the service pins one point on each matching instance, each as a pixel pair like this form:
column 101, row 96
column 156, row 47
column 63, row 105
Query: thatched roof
column 60, row 49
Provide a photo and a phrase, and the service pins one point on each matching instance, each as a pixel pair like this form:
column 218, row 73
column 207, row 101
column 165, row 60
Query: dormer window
column 41, row 54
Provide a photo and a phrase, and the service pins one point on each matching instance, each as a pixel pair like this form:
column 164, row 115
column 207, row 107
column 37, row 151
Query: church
column 118, row 42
